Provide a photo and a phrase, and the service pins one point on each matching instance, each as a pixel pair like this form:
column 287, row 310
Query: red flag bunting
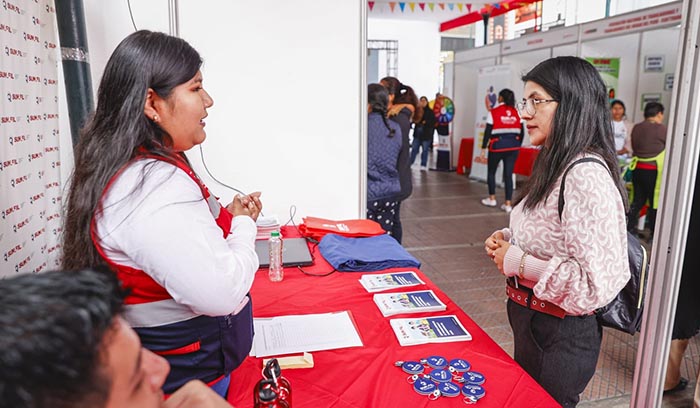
column 469, row 7
column 392, row 4
column 422, row 6
column 371, row 5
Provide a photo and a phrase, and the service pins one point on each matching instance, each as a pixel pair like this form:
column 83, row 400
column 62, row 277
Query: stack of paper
column 378, row 283
column 408, row 302
column 299, row 333
column 266, row 225
column 421, row 330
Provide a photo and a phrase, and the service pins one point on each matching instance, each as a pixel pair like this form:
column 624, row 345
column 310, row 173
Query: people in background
column 403, row 104
column 136, row 205
column 383, row 150
column 560, row 270
column 622, row 129
column 502, row 137
column 63, row 343
column 423, row 134
column 649, row 147
column 686, row 323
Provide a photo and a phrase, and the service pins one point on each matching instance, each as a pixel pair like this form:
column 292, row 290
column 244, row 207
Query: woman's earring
column 155, row 118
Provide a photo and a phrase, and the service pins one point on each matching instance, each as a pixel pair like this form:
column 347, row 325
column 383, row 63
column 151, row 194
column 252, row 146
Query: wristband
column 521, row 269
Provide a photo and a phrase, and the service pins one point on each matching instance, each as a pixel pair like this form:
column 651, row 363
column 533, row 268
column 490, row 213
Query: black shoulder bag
column 624, row 312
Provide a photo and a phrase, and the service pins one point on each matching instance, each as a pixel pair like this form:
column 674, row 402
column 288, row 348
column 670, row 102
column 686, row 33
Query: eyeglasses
column 529, row 106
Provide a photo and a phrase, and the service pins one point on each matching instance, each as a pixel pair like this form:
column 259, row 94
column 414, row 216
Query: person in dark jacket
column 503, row 136
column 383, row 149
column 423, row 134
column 403, row 104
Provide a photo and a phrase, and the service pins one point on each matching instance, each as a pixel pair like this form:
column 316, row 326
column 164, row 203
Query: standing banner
column 609, row 70
column 490, row 81
column 31, row 198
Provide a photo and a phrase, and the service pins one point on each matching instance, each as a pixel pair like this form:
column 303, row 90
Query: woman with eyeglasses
column 561, row 267
column 502, row 137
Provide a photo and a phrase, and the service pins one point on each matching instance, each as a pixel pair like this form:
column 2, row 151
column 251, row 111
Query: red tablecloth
column 466, row 150
column 525, row 161
column 366, row 376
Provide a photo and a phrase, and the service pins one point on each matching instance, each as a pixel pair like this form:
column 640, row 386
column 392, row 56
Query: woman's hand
column 496, row 248
column 395, row 109
column 249, row 205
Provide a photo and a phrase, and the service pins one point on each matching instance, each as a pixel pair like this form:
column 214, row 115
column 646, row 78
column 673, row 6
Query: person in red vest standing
column 136, row 206
column 503, row 136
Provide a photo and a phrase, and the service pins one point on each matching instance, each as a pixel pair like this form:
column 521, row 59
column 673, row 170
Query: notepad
column 298, row 333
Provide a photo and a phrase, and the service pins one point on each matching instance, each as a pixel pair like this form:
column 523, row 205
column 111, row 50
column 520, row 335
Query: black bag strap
column 563, row 179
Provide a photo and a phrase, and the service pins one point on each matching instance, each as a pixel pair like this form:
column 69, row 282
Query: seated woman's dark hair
column 378, row 100
column 119, row 127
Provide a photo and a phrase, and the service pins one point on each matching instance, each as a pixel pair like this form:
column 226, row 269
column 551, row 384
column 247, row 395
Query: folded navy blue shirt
column 365, row 254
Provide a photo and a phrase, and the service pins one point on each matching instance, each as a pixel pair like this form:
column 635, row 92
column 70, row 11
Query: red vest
column 143, row 289
column 505, row 133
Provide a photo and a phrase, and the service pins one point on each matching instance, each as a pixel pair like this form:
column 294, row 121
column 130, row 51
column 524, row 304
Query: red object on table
column 363, row 377
column 466, row 150
column 525, row 161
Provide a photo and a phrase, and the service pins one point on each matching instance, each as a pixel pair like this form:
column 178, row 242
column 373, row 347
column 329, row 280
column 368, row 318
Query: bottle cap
column 471, row 390
column 424, row 386
column 412, row 367
column 448, row 389
column 272, row 368
column 460, row 365
column 472, row 377
column 275, row 234
column 440, row 375
column 267, row 393
column 436, row 362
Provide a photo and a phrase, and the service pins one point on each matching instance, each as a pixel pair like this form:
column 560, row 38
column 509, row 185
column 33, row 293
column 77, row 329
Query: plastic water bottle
column 276, row 273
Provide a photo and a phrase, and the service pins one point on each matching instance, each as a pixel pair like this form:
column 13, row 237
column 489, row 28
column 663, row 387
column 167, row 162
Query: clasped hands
column 249, row 205
column 496, row 248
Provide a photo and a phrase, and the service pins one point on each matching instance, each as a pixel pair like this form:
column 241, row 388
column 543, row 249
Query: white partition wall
column 288, row 95
column 288, row 89
column 419, row 51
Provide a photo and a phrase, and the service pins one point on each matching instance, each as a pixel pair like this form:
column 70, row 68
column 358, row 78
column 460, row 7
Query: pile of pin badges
column 437, row 377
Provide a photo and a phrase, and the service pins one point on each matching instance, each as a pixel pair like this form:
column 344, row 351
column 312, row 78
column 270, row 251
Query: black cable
column 128, row 3
column 201, row 153
column 320, row 275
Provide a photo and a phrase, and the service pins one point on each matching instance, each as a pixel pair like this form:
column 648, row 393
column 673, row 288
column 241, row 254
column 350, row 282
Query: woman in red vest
column 136, row 205
column 503, row 136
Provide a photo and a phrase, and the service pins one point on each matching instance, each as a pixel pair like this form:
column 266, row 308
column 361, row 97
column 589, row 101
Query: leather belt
column 525, row 297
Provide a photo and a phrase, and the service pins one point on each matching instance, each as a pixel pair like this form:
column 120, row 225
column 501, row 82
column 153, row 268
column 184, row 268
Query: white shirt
column 622, row 136
column 164, row 227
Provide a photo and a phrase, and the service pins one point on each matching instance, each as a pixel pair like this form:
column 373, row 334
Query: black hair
column 378, row 99
column 508, row 97
column 618, row 102
column 402, row 93
column 52, row 327
column 581, row 124
column 652, row 109
column 143, row 60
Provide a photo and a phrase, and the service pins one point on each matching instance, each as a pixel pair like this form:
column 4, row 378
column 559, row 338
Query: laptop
column 295, row 252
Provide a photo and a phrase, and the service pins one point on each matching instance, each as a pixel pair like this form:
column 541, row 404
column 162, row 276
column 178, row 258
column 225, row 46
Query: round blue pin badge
column 412, row 367
column 448, row 389
column 460, row 365
column 424, row 386
column 436, row 362
column 473, row 391
column 472, row 377
column 440, row 376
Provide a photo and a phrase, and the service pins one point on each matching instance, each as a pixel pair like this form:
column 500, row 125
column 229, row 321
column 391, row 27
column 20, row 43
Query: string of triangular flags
column 430, row 6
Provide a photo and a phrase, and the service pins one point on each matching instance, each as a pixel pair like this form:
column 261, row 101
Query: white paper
column 299, row 333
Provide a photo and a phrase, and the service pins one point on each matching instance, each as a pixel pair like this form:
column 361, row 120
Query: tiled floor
column 445, row 226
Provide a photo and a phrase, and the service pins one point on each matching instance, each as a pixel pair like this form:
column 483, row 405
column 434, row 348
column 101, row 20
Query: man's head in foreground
column 63, row 344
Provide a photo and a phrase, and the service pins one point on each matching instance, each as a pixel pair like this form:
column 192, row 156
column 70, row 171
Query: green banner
column 609, row 69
